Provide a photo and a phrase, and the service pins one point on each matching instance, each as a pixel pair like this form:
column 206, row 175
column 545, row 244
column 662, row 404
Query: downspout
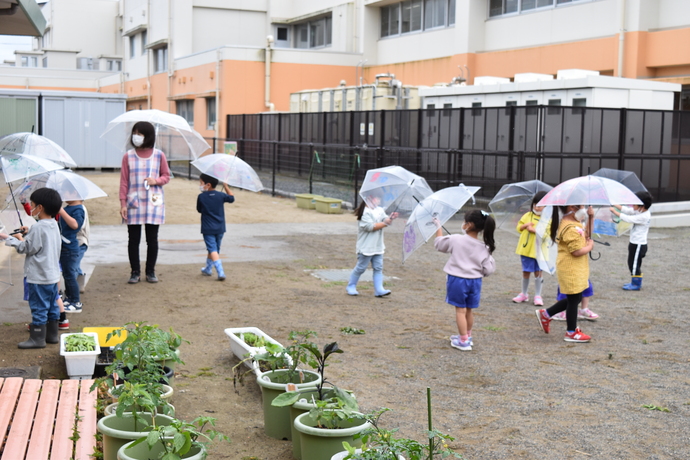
column 148, row 56
column 267, row 84
column 621, row 38
column 170, row 53
column 218, row 58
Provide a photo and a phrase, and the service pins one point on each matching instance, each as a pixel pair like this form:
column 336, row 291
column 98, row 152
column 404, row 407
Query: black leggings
column 569, row 304
column 151, row 247
column 636, row 253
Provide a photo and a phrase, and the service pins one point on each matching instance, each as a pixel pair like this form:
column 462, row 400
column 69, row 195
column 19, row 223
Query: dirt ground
column 519, row 394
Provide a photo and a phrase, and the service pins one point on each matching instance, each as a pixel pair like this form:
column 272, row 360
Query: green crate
column 329, row 205
column 306, row 200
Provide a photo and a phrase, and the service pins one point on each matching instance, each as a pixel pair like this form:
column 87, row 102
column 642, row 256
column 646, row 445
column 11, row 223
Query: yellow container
column 103, row 334
column 329, row 205
column 306, row 200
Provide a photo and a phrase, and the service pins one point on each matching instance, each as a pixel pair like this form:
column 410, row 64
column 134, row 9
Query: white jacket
column 640, row 221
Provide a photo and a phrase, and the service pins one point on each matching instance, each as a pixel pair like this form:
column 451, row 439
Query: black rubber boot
column 52, row 335
column 37, row 337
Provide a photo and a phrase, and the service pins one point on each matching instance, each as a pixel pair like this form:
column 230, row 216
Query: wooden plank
column 39, row 444
column 64, row 421
column 86, row 425
column 18, row 439
column 8, row 399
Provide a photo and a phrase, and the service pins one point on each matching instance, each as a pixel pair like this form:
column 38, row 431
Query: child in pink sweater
column 470, row 260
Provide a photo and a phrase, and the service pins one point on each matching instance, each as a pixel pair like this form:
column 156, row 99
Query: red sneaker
column 577, row 336
column 544, row 321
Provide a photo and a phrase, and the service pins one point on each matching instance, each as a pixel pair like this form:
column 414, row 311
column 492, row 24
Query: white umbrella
column 605, row 222
column 36, row 145
column 513, row 201
column 229, row 169
column 174, row 136
column 589, row 191
column 70, row 186
column 397, row 188
column 441, row 205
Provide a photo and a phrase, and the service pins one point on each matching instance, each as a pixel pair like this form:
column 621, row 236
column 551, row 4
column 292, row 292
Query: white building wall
column 89, row 26
column 221, row 26
column 669, row 13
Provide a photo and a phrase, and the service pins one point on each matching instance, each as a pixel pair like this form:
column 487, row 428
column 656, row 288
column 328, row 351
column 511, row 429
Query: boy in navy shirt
column 210, row 204
column 71, row 221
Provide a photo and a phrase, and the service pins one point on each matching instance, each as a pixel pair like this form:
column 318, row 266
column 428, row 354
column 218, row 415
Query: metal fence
column 487, row 147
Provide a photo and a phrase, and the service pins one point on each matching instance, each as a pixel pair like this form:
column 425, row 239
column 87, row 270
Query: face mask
column 32, row 212
column 580, row 214
column 536, row 213
column 137, row 140
column 202, row 188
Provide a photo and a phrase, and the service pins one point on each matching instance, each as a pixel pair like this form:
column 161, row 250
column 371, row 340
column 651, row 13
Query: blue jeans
column 69, row 259
column 363, row 262
column 82, row 251
column 42, row 303
column 213, row 242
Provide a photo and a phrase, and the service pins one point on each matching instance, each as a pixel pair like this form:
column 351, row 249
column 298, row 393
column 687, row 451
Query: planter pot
column 241, row 349
column 272, row 383
column 323, row 443
column 118, row 431
column 111, row 408
column 169, row 363
column 167, row 393
column 80, row 364
column 104, row 360
column 343, row 454
column 142, row 452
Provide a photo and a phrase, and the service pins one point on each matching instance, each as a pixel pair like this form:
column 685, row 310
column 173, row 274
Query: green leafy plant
column 352, row 330
column 79, row 342
column 381, row 444
column 252, row 339
column 329, row 413
column 653, row 407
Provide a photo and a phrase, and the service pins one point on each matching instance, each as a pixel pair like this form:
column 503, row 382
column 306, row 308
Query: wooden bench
column 39, row 419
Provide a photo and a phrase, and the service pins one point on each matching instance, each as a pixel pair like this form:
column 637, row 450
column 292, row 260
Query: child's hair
column 48, row 198
column 553, row 231
column 359, row 210
column 483, row 222
column 536, row 199
column 147, row 130
column 206, row 179
column 646, row 199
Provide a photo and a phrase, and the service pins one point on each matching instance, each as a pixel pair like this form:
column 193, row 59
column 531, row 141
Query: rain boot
column 52, row 335
column 219, row 269
column 352, row 284
column 37, row 337
column 634, row 285
column 379, row 290
column 208, row 269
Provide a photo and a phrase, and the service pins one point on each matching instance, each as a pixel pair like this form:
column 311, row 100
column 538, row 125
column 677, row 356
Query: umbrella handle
column 592, row 257
column 605, row 243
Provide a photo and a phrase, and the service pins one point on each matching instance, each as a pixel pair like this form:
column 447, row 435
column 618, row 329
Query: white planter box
column 240, row 348
column 80, row 364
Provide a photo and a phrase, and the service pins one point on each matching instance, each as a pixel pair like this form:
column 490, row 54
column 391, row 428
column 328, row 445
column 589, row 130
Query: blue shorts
column 529, row 264
column 463, row 292
column 213, row 242
column 589, row 292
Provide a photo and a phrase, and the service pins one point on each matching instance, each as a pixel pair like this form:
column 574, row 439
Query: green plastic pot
column 323, row 443
column 110, row 409
column 272, row 383
column 118, row 431
column 141, row 452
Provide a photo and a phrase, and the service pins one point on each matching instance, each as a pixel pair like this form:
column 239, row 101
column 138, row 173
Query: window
column 554, row 107
column 143, row 42
column 316, row 33
column 45, row 62
column 580, row 102
column 476, row 109
column 510, row 104
column 406, row 17
column 531, row 110
column 447, row 109
column 132, row 46
column 501, row 7
column 430, row 110
column 25, row 61
column 185, row 109
column 34, row 61
column 160, row 59
column 113, row 64
column 210, row 113
column 84, row 63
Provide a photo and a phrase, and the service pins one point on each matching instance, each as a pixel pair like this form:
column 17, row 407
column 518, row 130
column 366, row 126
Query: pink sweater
column 469, row 257
column 124, row 173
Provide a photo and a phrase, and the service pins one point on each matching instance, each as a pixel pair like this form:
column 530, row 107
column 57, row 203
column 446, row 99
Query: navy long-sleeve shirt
column 210, row 205
column 77, row 213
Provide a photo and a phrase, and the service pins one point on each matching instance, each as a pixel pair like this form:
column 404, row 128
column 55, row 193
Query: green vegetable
column 352, row 330
column 80, row 342
column 252, row 340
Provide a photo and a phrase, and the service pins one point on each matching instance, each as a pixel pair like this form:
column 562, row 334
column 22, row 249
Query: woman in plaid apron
column 142, row 177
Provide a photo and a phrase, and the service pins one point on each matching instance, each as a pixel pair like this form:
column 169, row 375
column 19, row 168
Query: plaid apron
column 140, row 169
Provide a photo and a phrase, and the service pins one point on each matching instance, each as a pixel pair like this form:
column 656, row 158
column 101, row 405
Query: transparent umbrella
column 229, row 169
column 174, row 136
column 70, row 186
column 441, row 205
column 606, row 223
column 589, row 191
column 396, row 188
column 36, row 145
column 513, row 201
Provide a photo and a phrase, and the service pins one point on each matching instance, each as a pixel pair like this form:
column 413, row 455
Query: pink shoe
column 538, row 301
column 588, row 314
column 521, row 298
column 559, row 316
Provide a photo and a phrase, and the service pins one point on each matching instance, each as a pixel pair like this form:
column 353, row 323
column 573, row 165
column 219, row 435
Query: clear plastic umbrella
column 547, row 250
column 398, row 189
column 229, row 169
column 36, row 145
column 441, row 205
column 174, row 136
column 589, row 191
column 606, row 223
column 513, row 201
column 70, row 186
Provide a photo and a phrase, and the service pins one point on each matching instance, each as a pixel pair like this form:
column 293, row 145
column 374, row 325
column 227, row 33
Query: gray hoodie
column 41, row 245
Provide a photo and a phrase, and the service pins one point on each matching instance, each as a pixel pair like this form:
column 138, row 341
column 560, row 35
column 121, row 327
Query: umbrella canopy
column 547, row 249
column 513, row 201
column 606, row 223
column 22, row 166
column 229, row 169
column 36, row 145
column 627, row 178
column 441, row 205
column 70, row 186
column 174, row 136
column 589, row 191
column 398, row 189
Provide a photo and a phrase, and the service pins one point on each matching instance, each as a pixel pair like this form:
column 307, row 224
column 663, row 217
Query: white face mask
column 202, row 188
column 580, row 214
column 32, row 212
column 137, row 140
column 537, row 213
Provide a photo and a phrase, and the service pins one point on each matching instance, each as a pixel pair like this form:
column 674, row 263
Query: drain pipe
column 218, row 58
column 621, row 38
column 267, row 97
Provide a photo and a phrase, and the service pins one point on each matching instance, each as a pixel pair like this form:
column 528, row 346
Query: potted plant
column 248, row 342
column 178, row 440
column 80, row 352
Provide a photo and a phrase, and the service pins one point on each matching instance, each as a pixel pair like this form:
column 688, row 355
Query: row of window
column 141, row 37
column 185, row 109
column 553, row 109
column 316, row 33
column 83, row 63
column 501, row 7
column 416, row 15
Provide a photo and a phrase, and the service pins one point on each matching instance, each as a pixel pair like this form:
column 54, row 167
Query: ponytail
column 483, row 222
